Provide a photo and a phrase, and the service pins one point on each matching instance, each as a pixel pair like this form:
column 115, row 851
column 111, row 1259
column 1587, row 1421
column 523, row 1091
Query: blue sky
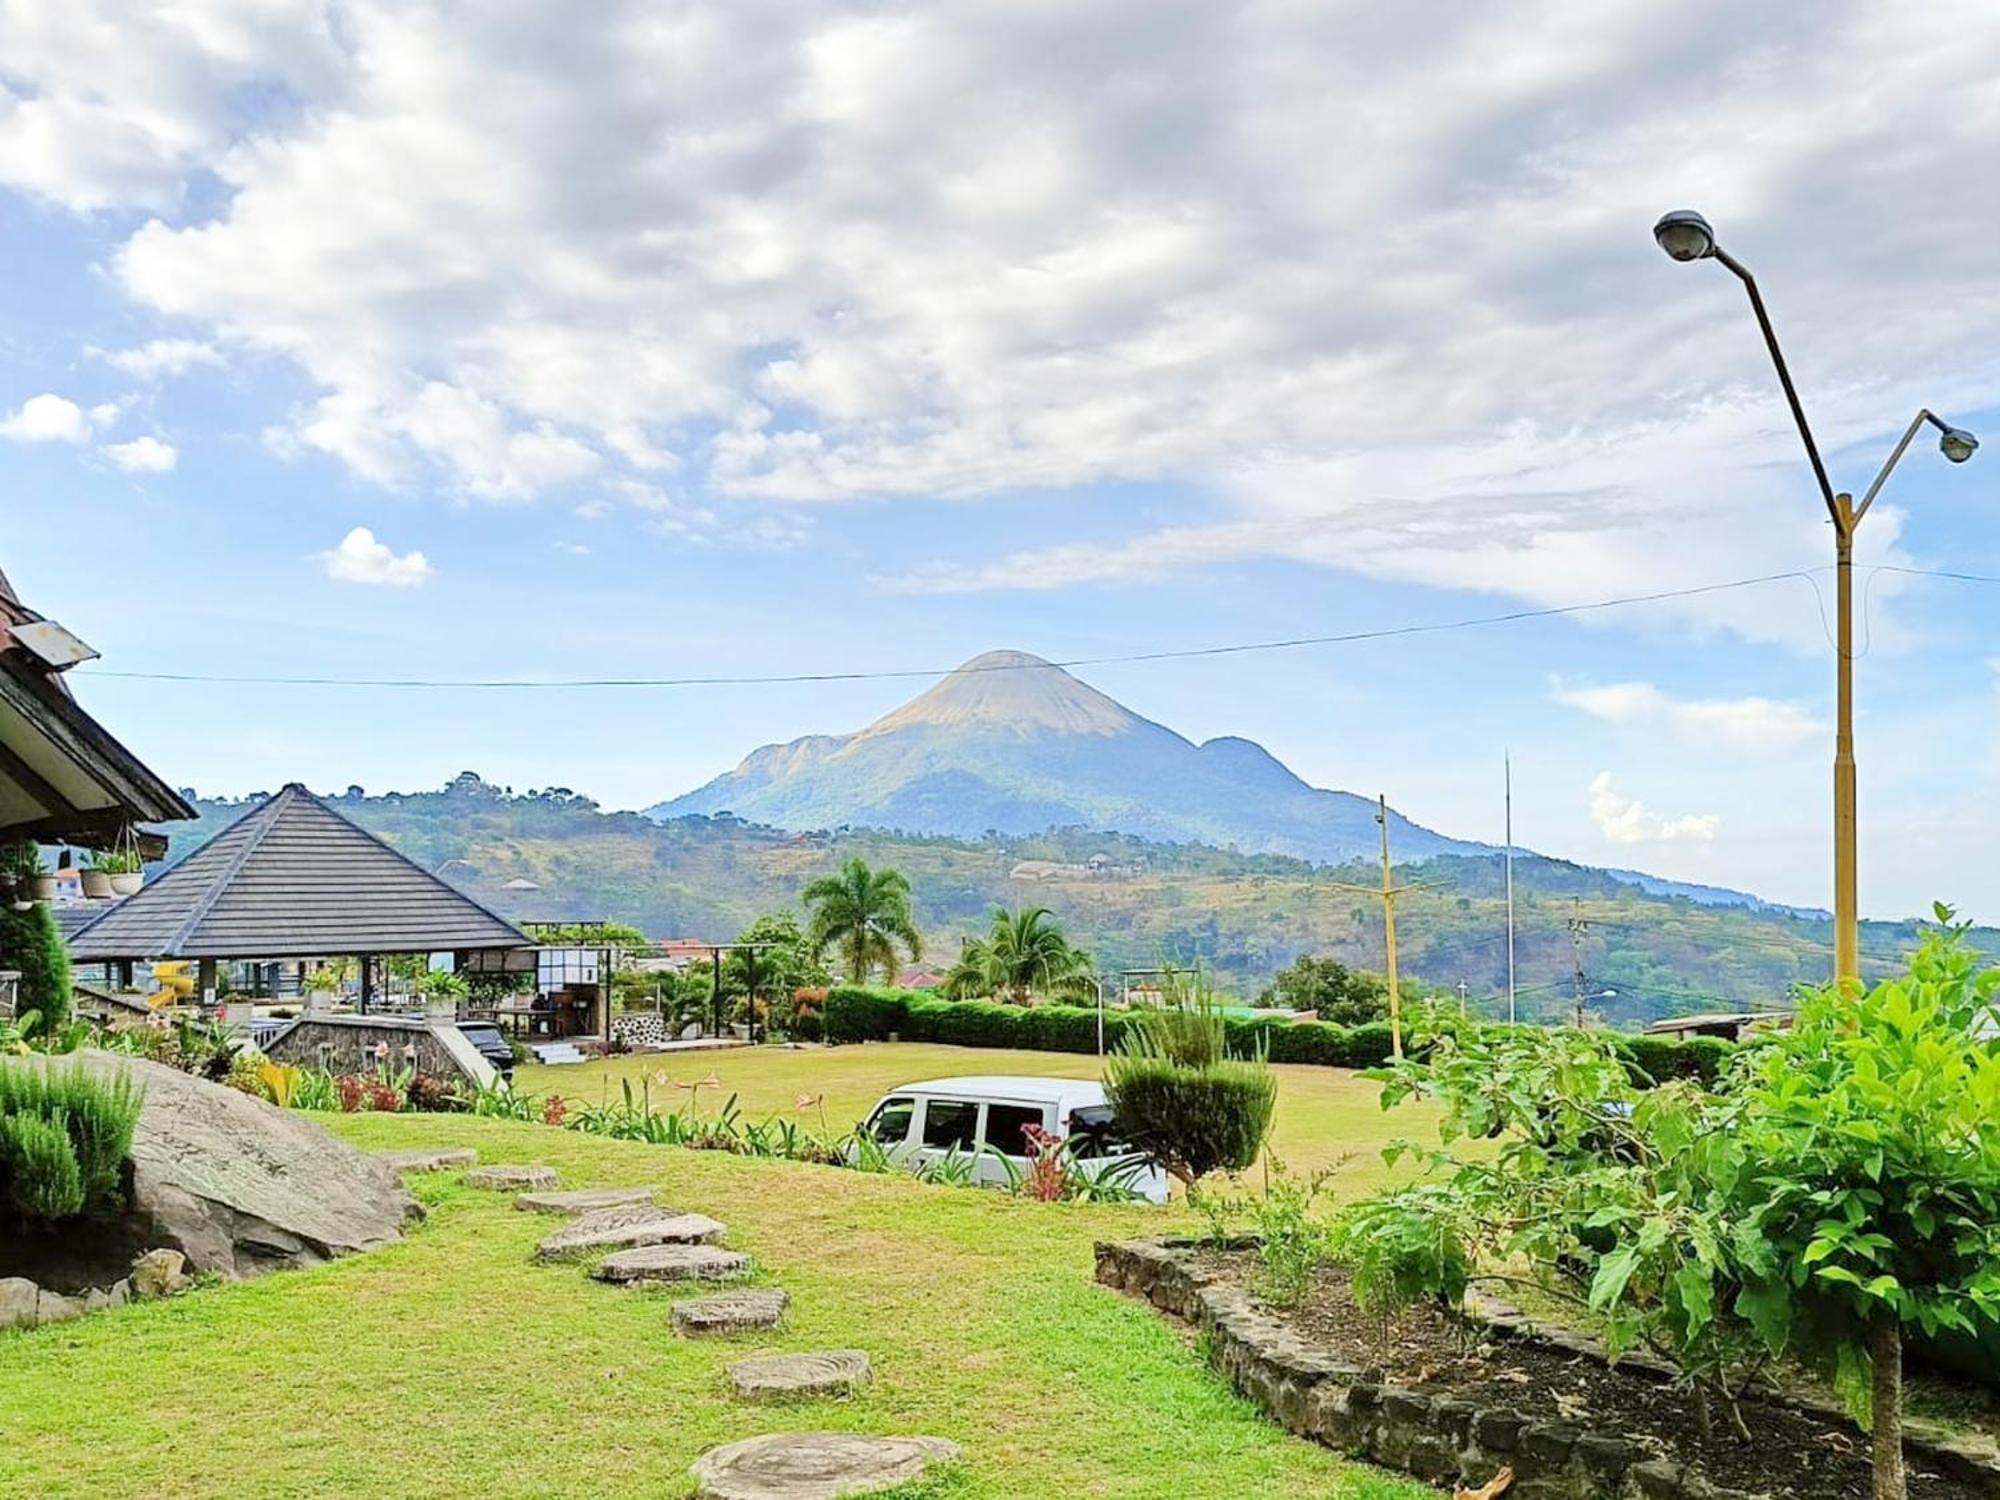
column 734, row 341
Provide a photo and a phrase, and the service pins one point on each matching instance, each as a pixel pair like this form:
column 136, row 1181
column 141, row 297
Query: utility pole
column 1577, row 928
column 1462, row 1011
column 1388, row 894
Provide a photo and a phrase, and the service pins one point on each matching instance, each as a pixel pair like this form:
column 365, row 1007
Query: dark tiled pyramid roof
column 292, row 878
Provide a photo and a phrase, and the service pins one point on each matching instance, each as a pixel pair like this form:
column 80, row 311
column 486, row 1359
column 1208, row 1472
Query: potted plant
column 325, row 985
column 442, row 991
column 42, row 880
column 20, row 867
column 97, row 875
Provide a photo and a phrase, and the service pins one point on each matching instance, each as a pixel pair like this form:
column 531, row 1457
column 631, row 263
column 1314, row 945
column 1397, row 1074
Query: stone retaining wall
column 346, row 1044
column 1439, row 1439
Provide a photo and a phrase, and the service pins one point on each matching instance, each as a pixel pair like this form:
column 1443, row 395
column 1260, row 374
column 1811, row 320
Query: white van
column 923, row 1121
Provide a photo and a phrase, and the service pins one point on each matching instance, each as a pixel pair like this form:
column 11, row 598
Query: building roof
column 63, row 778
column 292, row 878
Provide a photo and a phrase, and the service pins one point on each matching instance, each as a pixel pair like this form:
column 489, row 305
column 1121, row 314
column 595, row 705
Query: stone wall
column 1438, row 1439
column 346, row 1044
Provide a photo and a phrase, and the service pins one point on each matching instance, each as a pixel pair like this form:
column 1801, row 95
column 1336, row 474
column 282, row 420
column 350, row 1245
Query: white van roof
column 1071, row 1093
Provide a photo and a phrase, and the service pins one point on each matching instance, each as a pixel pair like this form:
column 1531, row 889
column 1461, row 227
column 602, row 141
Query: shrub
column 855, row 1013
column 1181, row 1099
column 65, row 1135
column 30, row 944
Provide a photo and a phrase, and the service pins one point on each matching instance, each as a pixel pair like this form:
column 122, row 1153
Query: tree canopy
column 1023, row 955
column 863, row 915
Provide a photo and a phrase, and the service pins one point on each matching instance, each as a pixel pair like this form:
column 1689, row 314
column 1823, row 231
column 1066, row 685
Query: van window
column 890, row 1124
column 1005, row 1124
column 949, row 1123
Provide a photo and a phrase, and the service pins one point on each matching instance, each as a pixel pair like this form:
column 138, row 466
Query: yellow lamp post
column 1687, row 236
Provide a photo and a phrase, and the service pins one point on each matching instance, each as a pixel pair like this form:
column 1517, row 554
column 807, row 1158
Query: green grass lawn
column 1323, row 1113
column 452, row 1365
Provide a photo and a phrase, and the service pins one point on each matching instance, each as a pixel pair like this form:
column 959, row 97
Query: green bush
column 1180, row 1098
column 30, row 944
column 65, row 1135
column 859, row 1013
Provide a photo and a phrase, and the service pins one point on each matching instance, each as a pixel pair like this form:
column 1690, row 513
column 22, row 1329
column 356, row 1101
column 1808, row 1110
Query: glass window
column 949, row 1123
column 1005, row 1124
column 890, row 1124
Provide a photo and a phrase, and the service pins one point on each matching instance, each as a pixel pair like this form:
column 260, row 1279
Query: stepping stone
column 730, row 1312
column 623, row 1228
column 582, row 1201
column 511, row 1179
column 649, row 1264
column 815, row 1465
column 801, row 1377
column 438, row 1159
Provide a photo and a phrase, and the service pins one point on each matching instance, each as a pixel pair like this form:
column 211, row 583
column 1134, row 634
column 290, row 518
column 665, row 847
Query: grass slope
column 450, row 1365
column 1323, row 1114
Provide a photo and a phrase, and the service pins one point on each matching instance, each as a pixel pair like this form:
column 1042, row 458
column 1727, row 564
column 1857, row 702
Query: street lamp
column 1686, row 236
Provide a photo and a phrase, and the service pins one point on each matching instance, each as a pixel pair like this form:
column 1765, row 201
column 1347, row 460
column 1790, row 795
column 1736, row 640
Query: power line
column 776, row 679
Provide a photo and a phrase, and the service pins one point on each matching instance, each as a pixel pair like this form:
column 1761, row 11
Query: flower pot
column 127, row 883
column 96, row 885
column 445, row 1010
column 43, row 888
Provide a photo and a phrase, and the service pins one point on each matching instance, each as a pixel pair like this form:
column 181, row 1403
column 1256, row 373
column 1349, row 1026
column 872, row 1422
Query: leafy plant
column 315, row 1091
column 65, row 1135
column 1183, row 1101
column 121, row 860
column 31, row 946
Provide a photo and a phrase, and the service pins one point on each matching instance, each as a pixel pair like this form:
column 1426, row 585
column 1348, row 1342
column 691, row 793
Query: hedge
column 855, row 1013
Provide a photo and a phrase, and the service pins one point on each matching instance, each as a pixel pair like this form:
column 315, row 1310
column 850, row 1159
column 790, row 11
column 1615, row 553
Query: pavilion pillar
column 367, row 981
column 204, row 982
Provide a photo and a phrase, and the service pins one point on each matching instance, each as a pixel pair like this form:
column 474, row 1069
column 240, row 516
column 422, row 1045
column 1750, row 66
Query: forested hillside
column 1242, row 916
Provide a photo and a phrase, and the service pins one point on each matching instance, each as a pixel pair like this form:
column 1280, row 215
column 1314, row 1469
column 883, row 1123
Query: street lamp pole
column 1686, row 236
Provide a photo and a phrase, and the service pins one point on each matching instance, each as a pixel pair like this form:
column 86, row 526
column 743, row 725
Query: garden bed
column 1425, row 1395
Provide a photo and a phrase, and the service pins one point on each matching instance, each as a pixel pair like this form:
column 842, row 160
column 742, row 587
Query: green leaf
column 1613, row 1273
column 1767, row 1307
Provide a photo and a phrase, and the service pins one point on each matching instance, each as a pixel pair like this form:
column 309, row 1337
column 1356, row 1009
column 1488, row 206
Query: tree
column 1023, row 955
column 31, row 945
column 1348, row 997
column 780, row 970
column 864, row 914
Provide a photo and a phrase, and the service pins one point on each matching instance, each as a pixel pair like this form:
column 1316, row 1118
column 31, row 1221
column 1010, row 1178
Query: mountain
column 1013, row 744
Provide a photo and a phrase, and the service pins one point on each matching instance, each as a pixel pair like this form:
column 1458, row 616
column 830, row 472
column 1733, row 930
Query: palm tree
column 864, row 915
column 1024, row 954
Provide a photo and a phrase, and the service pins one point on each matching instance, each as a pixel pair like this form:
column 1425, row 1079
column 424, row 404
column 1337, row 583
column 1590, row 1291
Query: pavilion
column 293, row 879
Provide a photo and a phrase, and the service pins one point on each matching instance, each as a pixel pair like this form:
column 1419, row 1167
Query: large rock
column 18, row 1297
column 801, row 1377
column 815, row 1465
column 623, row 1228
column 661, row 1263
column 236, row 1185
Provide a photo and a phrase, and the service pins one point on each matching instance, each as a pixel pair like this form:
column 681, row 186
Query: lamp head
column 1685, row 235
column 1957, row 444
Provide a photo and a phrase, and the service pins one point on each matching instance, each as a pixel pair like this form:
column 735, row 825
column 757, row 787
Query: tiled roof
column 292, row 879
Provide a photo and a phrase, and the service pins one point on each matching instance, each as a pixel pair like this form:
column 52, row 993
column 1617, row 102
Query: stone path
column 816, row 1465
column 624, row 1228
column 801, row 1377
column 730, row 1312
column 582, row 1201
column 652, row 1264
column 512, row 1179
column 434, row 1159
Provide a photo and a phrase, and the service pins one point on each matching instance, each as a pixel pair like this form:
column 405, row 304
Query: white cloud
column 162, row 357
column 360, row 558
column 945, row 258
column 1746, row 724
column 49, row 418
column 571, row 549
column 143, row 455
column 703, row 525
column 1626, row 820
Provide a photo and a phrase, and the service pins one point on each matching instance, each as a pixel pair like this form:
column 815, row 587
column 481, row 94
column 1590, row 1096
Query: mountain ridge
column 1011, row 743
